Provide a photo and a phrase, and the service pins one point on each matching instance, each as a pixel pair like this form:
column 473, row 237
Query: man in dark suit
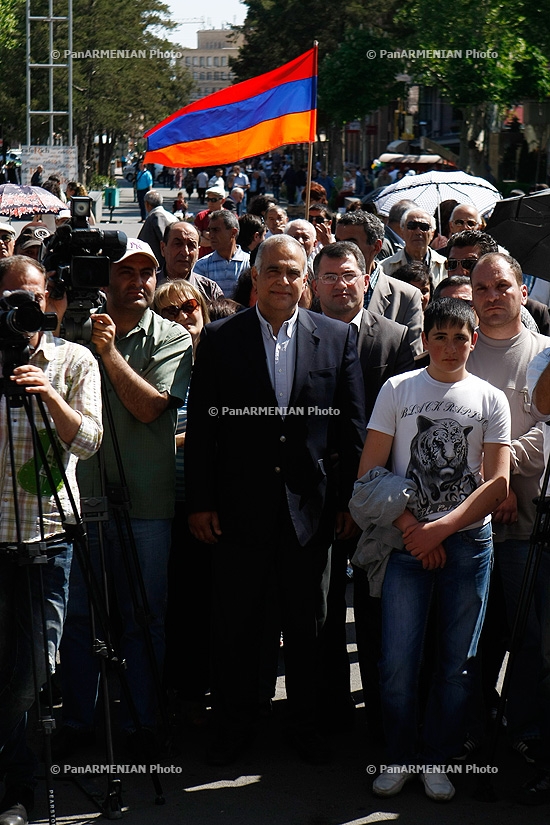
column 340, row 282
column 385, row 295
column 274, row 433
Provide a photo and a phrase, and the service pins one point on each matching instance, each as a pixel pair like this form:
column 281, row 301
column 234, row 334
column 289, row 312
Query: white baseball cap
column 136, row 247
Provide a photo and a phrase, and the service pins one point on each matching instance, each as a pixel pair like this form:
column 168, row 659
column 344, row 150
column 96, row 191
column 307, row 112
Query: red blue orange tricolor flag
column 250, row 118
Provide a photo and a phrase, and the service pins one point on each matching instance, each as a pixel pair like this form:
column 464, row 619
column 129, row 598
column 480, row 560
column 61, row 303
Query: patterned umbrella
column 17, row 201
column 432, row 188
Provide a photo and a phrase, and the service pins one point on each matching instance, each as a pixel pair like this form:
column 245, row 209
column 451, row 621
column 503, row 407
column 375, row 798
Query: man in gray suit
column 385, row 295
column 340, row 282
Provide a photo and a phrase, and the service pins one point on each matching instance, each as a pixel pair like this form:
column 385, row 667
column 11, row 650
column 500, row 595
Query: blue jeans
column 80, row 668
column 20, row 639
column 522, row 709
column 460, row 590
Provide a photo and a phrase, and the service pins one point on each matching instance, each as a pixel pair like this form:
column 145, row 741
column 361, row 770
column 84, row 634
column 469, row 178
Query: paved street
column 271, row 786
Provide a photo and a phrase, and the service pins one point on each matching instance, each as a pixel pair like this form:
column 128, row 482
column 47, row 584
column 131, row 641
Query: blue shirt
column 225, row 273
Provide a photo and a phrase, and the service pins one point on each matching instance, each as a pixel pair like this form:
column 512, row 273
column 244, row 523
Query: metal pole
column 70, row 72
column 28, row 68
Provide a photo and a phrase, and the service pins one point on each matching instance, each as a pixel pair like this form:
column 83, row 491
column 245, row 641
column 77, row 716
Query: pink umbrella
column 17, row 201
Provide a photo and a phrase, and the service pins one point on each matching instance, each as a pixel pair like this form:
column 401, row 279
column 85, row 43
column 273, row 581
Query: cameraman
column 147, row 365
column 66, row 377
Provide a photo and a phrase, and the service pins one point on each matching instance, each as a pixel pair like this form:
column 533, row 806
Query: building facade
column 209, row 62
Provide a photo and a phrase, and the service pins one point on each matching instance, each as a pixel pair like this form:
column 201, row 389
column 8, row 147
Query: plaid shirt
column 74, row 374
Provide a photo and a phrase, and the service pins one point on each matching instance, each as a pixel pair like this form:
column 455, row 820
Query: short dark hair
column 472, row 237
column 337, row 251
column 223, row 308
column 449, row 312
column 453, row 280
column 248, row 226
column 415, row 271
column 514, row 265
column 373, row 226
column 259, row 204
column 322, row 208
column 17, row 262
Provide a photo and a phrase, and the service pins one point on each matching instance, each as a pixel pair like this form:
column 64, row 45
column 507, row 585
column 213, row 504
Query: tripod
column 30, row 631
column 109, row 509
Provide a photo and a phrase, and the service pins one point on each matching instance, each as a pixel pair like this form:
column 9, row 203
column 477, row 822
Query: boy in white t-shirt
column 449, row 433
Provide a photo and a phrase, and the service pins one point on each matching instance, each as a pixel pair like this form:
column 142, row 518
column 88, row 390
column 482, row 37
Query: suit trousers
column 272, row 579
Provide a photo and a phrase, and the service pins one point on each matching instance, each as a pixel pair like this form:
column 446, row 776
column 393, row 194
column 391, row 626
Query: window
column 187, row 61
column 224, row 61
column 216, row 75
column 201, row 59
column 216, row 61
column 209, row 75
column 202, row 76
column 208, row 61
column 195, row 61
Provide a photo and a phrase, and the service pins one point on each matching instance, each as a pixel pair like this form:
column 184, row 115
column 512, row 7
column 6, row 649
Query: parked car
column 129, row 172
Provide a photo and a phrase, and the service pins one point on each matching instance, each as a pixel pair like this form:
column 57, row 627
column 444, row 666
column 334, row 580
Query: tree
column 112, row 96
column 503, row 46
column 340, row 93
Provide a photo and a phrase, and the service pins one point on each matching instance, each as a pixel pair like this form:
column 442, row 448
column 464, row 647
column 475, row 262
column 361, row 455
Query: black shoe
column 68, row 740
column 536, row 791
column 16, row 815
column 529, row 749
column 224, row 749
column 309, row 745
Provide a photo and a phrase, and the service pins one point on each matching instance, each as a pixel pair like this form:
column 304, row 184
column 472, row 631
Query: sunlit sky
column 214, row 13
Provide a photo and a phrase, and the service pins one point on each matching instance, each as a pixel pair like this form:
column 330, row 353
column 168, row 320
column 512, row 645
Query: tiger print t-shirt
column 439, row 431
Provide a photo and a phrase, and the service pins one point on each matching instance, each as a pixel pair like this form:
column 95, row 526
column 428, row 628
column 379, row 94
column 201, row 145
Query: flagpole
column 311, row 142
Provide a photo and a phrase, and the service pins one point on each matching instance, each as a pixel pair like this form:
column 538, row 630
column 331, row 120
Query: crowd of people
column 285, row 397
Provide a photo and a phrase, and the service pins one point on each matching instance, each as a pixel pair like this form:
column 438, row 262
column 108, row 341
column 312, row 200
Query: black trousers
column 258, row 583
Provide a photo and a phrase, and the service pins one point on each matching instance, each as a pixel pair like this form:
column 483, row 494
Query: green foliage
column 99, row 182
column 350, row 84
column 112, row 96
column 505, row 31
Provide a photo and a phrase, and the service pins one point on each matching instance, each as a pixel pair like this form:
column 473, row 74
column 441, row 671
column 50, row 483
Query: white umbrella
column 432, row 188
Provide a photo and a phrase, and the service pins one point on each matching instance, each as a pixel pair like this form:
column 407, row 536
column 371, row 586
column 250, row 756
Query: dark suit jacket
column 246, row 466
column 384, row 351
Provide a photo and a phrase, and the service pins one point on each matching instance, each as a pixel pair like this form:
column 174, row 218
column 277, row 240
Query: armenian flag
column 250, row 118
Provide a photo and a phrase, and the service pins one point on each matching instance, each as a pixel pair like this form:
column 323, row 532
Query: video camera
column 20, row 318
column 81, row 257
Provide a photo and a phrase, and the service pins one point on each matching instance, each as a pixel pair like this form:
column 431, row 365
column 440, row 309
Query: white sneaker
column 438, row 786
column 391, row 780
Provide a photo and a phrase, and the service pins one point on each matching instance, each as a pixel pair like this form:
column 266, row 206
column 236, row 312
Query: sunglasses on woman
column 171, row 312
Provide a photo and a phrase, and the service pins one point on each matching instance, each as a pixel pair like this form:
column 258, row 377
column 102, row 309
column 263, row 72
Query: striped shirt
column 73, row 373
